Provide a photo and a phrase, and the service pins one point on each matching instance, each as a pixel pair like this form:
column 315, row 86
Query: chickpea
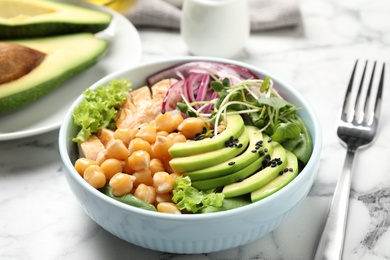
column 166, row 197
column 139, row 144
column 121, row 184
column 111, row 167
column 177, row 119
column 161, row 146
column 156, row 165
column 168, row 207
column 191, row 126
column 177, row 137
column 82, row 163
column 163, row 182
column 143, row 177
column 117, row 149
column 139, row 160
column 94, row 175
column 147, row 133
column 164, row 122
column 146, row 193
column 125, row 134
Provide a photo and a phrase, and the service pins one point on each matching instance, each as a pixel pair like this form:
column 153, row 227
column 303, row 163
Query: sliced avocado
column 235, row 177
column 260, row 178
column 37, row 18
column 279, row 182
column 234, row 128
column 204, row 160
column 237, row 163
column 65, row 57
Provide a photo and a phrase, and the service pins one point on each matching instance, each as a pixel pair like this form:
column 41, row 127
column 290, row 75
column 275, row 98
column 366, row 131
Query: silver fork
column 356, row 129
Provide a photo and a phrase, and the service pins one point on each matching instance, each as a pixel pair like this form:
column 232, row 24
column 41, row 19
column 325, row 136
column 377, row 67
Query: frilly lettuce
column 193, row 200
column 98, row 108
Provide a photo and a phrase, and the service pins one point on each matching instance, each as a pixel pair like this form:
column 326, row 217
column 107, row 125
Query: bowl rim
column 315, row 157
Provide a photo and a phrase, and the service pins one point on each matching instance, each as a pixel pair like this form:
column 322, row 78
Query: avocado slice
column 37, row 18
column 260, row 178
column 231, row 178
column 65, row 57
column 237, row 163
column 204, row 160
column 279, row 182
column 234, row 128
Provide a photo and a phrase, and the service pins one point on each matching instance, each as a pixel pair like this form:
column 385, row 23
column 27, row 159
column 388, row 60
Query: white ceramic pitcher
column 216, row 28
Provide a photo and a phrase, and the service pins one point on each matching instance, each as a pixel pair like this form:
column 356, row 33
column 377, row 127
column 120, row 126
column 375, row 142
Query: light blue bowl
column 191, row 234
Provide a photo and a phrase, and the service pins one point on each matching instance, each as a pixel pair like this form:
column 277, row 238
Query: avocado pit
column 17, row 60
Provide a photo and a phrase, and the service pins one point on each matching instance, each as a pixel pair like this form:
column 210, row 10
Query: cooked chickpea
column 95, row 177
column 166, row 197
column 162, row 133
column 138, row 144
column 163, row 182
column 168, row 207
column 161, row 146
column 147, row 133
column 177, row 119
column 164, row 122
column 191, row 126
column 156, row 165
column 117, row 149
column 125, row 134
column 139, row 160
column 111, row 167
column 82, row 163
column 121, row 184
column 177, row 137
column 146, row 193
column 143, row 177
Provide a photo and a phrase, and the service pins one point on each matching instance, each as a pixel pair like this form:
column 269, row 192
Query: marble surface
column 40, row 218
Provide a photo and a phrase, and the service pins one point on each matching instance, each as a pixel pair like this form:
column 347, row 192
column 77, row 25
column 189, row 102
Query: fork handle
column 331, row 243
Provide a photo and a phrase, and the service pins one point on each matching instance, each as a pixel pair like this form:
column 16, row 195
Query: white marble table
column 40, row 218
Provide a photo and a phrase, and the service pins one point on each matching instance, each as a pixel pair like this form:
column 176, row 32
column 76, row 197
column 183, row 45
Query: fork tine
column 356, row 105
column 378, row 100
column 367, row 116
column 344, row 111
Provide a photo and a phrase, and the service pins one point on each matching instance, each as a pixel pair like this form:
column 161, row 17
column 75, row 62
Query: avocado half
column 65, row 57
column 37, row 18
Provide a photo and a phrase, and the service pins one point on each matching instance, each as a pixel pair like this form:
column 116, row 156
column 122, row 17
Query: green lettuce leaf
column 193, row 200
column 99, row 107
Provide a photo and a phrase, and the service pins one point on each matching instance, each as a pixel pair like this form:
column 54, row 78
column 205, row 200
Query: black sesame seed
column 239, row 145
column 285, row 170
column 261, row 152
column 281, row 172
column 291, row 169
column 231, row 163
column 269, row 140
column 279, row 162
column 265, row 150
column 253, row 151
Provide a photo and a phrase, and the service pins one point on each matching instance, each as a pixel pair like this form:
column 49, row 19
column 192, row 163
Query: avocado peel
column 40, row 18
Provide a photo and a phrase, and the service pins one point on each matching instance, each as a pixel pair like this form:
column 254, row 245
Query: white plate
column 46, row 114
